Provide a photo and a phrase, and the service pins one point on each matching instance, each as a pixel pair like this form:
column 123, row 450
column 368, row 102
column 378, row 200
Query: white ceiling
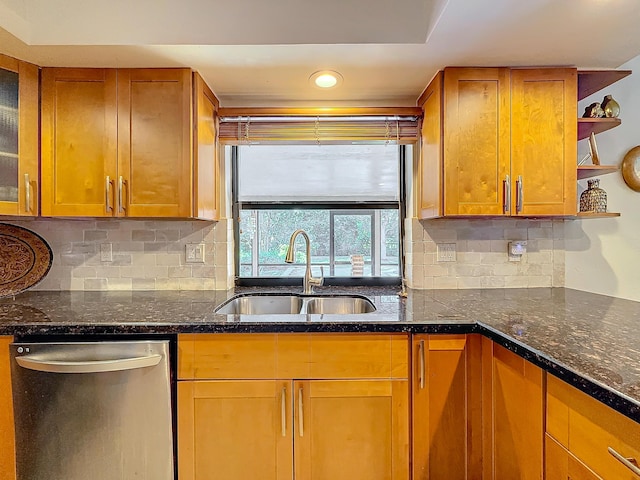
column 262, row 52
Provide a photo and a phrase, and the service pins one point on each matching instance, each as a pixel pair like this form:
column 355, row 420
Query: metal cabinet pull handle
column 421, row 364
column 630, row 463
column 283, row 411
column 300, row 414
column 506, row 194
column 107, row 190
column 27, row 193
column 519, row 194
column 120, row 195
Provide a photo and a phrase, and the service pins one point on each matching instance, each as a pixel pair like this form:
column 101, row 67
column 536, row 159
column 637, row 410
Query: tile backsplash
column 481, row 253
column 146, row 254
column 150, row 254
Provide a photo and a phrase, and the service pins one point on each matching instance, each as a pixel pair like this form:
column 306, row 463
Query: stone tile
column 143, row 284
column 143, row 235
column 95, row 235
column 95, row 284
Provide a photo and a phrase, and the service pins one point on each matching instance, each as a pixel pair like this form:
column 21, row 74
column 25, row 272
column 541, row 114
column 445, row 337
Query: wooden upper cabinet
column 79, row 150
column 476, row 140
column 508, row 143
column 120, row 143
column 206, row 168
column 428, row 176
column 18, row 137
column 154, row 142
column 543, row 140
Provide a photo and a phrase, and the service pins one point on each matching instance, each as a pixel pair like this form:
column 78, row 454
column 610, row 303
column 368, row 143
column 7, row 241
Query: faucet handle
column 318, row 281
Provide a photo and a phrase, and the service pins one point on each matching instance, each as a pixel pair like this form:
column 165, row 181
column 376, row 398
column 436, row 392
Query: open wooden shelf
column 595, row 125
column 591, row 81
column 597, row 215
column 588, row 171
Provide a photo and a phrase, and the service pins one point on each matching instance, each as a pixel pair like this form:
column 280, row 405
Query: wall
column 147, row 255
column 603, row 255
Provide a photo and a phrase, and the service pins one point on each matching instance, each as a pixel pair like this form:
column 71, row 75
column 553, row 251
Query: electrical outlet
column 446, row 252
column 516, row 250
column 194, row 253
column 106, row 253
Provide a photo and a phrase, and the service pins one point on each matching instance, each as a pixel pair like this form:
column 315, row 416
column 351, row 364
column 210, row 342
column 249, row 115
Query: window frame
column 400, row 205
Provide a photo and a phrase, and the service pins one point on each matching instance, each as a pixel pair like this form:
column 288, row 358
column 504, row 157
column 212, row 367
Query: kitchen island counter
column 588, row 340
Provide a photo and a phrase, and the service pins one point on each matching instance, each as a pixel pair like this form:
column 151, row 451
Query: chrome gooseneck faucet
column 309, row 280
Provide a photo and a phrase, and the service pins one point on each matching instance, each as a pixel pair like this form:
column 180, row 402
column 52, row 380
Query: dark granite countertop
column 588, row 340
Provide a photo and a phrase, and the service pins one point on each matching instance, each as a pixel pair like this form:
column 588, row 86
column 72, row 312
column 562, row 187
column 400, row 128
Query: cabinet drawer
column 312, row 356
column 588, row 428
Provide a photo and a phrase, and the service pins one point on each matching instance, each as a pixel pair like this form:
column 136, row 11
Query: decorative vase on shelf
column 610, row 107
column 593, row 199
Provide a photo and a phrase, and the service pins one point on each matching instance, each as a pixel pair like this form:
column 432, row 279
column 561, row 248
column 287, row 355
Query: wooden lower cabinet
column 339, row 430
column 516, row 401
column 588, row 429
column 562, row 465
column 235, row 429
column 348, row 419
column 7, row 436
column 446, row 412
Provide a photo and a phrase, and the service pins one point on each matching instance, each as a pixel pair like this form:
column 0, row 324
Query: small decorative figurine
column 610, row 107
column 593, row 111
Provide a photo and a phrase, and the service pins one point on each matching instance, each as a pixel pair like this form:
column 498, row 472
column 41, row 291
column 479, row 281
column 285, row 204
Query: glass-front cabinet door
column 18, row 137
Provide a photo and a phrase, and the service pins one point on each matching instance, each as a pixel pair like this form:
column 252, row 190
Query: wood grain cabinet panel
column 588, row 428
column 476, row 140
column 19, row 138
column 517, row 425
column 154, row 142
column 507, row 143
column 562, row 465
column 128, row 143
column 79, row 142
column 351, row 429
column 446, row 421
column 308, row 425
column 7, row 435
column 543, row 140
column 235, row 429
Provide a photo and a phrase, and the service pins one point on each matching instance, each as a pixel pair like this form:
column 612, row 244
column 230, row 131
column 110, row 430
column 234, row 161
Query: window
column 346, row 197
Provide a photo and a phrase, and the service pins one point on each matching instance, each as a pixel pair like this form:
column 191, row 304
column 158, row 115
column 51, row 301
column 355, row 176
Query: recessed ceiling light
column 326, row 79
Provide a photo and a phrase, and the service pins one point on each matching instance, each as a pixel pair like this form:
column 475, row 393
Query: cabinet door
column 154, row 143
column 79, row 128
column 205, row 155
column 18, row 137
column 543, row 141
column 444, row 415
column 351, row 429
column 429, row 171
column 230, row 430
column 561, row 465
column 7, row 436
column 517, row 399
column 476, row 140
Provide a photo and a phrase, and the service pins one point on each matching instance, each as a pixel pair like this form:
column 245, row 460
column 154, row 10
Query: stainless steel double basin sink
column 292, row 304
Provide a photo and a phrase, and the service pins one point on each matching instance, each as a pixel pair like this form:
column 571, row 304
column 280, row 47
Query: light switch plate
column 194, row 253
column 446, row 252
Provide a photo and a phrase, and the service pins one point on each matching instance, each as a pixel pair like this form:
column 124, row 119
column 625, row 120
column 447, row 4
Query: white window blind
column 312, row 173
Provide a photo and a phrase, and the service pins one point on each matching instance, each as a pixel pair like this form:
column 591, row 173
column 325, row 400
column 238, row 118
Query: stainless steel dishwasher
column 99, row 410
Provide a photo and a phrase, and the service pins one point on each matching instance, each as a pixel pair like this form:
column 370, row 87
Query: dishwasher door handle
column 90, row 366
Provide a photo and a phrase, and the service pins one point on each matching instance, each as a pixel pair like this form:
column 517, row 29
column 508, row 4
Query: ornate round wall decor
column 25, row 259
column 631, row 168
